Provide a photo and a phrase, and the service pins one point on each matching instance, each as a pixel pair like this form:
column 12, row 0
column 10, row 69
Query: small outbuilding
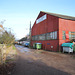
column 52, row 30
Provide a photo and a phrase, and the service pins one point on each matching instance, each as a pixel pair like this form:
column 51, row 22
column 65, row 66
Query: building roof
column 60, row 16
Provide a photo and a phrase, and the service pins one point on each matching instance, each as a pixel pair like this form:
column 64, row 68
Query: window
column 33, row 37
column 47, row 36
column 71, row 35
column 51, row 35
column 64, row 35
column 42, row 37
column 36, row 37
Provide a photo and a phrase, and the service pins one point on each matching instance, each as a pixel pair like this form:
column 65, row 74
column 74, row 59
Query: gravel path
column 33, row 62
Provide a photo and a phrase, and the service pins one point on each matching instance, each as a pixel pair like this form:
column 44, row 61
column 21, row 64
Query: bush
column 7, row 38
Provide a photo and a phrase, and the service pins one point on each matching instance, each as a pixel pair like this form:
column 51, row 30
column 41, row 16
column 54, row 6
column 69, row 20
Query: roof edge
column 60, row 16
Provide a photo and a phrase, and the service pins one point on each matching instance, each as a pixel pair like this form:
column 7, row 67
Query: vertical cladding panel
column 66, row 25
column 41, row 27
column 52, row 22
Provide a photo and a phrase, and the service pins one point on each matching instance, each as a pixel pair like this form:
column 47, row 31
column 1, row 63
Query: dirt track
column 33, row 62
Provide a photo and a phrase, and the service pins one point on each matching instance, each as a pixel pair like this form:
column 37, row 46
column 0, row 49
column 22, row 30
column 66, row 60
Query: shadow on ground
column 28, row 66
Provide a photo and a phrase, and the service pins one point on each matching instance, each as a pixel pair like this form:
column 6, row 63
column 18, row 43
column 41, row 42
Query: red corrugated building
column 52, row 30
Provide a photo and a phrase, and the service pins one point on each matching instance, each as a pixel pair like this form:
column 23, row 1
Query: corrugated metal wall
column 67, row 26
column 48, row 25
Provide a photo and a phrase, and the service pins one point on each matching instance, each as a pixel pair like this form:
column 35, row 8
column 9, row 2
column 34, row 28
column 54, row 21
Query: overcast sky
column 19, row 13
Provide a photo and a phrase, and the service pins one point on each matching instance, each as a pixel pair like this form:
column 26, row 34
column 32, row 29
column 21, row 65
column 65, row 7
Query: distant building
column 28, row 38
column 52, row 30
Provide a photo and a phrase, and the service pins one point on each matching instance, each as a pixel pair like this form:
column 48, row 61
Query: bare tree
column 6, row 37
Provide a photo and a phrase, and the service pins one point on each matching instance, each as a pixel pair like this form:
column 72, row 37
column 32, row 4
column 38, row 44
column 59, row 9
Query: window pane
column 48, row 36
column 40, row 37
column 55, row 34
column 72, row 35
column 33, row 37
column 43, row 36
column 51, row 35
column 69, row 35
column 64, row 35
column 36, row 37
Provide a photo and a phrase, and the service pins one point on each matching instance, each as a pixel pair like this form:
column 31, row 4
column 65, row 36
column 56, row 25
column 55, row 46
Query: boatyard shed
column 52, row 30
